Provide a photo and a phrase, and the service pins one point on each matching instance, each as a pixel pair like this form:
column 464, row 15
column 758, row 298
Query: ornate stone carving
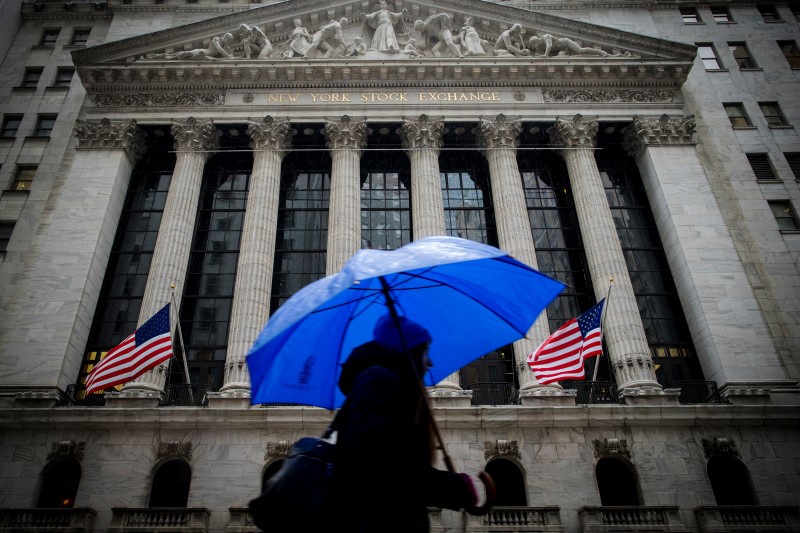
column 501, row 131
column 501, row 448
column 175, row 448
column 664, row 130
column 270, row 134
column 211, row 98
column 329, row 40
column 107, row 135
column 67, row 449
column 436, row 36
column 345, row 133
column 610, row 447
column 192, row 135
column 577, row 133
column 547, row 45
column 378, row 28
column 422, row 133
column 719, row 446
column 299, row 41
column 277, row 450
column 567, row 96
column 510, row 43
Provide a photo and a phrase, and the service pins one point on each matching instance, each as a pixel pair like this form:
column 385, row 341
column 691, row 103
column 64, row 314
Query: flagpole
column 602, row 320
column 180, row 336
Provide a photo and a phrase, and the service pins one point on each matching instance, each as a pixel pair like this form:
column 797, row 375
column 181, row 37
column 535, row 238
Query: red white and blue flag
column 148, row 346
column 562, row 355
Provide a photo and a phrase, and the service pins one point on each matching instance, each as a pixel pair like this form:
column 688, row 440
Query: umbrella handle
column 491, row 495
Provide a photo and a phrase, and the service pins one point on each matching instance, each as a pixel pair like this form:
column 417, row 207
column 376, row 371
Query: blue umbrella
column 471, row 297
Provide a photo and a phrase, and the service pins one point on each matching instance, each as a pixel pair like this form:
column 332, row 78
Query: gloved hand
column 470, row 492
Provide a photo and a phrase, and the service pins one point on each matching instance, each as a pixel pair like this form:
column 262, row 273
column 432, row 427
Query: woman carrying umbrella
column 385, row 442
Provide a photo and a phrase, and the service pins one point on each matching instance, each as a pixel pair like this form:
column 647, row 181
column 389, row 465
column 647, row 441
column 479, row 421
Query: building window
column 721, row 14
column 64, row 77
column 49, row 37
column 690, row 15
column 742, row 56
column 793, row 158
column 762, row 168
column 794, row 7
column 772, row 112
column 6, row 228
column 784, row 215
column 60, row 479
column 10, row 126
column 730, row 481
column 31, row 77
column 737, row 115
column 617, row 482
column 23, row 178
column 790, row 52
column 79, row 37
column 769, row 13
column 170, row 487
column 44, row 125
column 708, row 56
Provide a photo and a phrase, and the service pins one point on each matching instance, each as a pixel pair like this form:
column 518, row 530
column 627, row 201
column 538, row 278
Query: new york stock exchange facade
column 223, row 156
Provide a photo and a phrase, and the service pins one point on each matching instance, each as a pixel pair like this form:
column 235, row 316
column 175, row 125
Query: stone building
column 223, row 154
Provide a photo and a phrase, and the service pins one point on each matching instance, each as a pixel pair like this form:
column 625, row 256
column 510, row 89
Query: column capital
column 575, row 133
column 345, row 132
column 270, row 134
column 105, row 134
column 499, row 132
column 192, row 135
column 664, row 130
column 424, row 132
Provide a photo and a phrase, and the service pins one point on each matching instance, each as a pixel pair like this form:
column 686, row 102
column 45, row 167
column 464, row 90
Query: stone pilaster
column 346, row 139
column 422, row 140
column 499, row 140
column 709, row 276
column 623, row 330
column 44, row 356
column 194, row 141
column 270, row 140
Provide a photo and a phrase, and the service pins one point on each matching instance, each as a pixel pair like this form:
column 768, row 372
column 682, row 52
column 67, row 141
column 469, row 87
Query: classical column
column 499, row 139
column 270, row 139
column 422, row 140
column 194, row 141
column 728, row 328
column 623, row 330
column 346, row 139
column 46, row 352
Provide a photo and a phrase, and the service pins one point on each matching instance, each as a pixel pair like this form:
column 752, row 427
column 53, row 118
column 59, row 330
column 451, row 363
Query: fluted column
column 270, row 140
column 623, row 330
column 422, row 140
column 194, row 140
column 499, row 139
column 346, row 139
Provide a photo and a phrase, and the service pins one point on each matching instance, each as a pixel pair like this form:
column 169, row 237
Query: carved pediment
column 305, row 40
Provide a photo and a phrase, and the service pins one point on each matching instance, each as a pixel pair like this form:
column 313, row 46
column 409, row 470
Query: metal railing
column 493, row 393
column 183, row 395
column 591, row 392
column 696, row 391
column 75, row 397
column 76, row 520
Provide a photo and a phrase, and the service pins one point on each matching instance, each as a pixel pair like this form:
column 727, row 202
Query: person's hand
column 482, row 494
column 470, row 492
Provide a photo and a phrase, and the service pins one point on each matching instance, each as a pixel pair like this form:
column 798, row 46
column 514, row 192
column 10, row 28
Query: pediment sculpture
column 383, row 34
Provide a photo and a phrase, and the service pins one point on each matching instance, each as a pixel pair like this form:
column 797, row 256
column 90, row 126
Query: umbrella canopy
column 471, row 297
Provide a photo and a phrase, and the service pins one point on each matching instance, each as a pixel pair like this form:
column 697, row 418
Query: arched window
column 509, row 482
column 617, row 482
column 60, row 479
column 730, row 481
column 170, row 486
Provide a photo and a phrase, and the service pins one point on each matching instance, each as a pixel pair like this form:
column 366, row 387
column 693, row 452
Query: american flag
column 561, row 356
column 145, row 348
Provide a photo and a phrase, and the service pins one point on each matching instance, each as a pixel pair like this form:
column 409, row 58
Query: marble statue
column 411, row 48
column 328, row 41
column 510, row 43
column 378, row 28
column 549, row 46
column 471, row 42
column 218, row 48
column 254, row 42
column 436, row 32
column 299, row 41
column 359, row 47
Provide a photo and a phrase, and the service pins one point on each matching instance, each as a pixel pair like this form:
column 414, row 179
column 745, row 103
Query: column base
column 650, row 396
column 134, row 399
column 229, row 399
column 780, row 392
column 43, row 398
column 547, row 397
column 446, row 397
